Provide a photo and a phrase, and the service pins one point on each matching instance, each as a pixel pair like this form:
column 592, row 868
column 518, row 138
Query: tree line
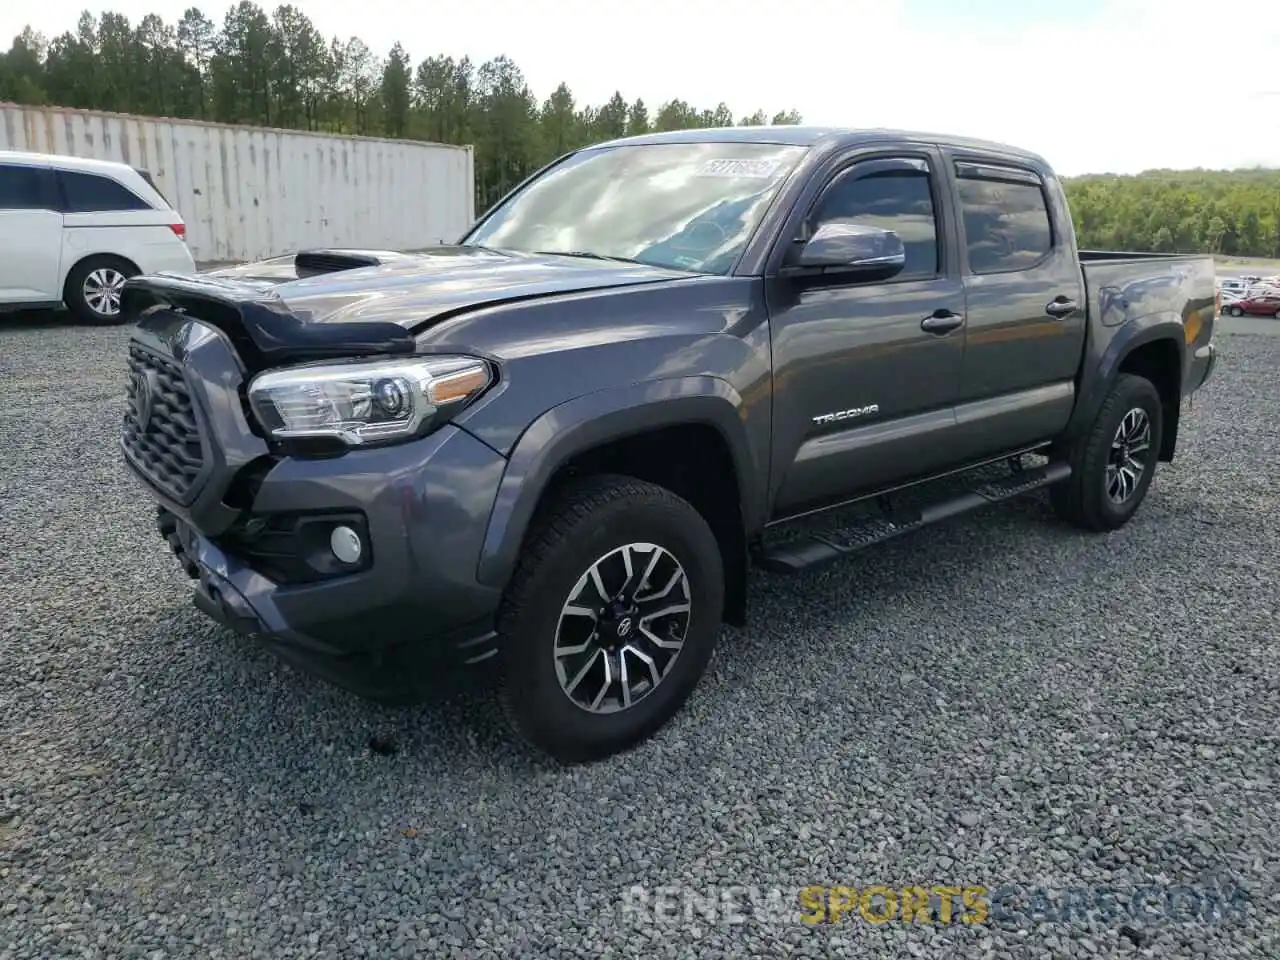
column 1233, row 212
column 278, row 70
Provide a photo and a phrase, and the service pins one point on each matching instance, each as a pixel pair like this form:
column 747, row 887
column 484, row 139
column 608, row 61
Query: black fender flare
column 1100, row 372
column 601, row 417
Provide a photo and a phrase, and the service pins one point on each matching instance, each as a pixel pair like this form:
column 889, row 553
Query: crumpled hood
column 413, row 289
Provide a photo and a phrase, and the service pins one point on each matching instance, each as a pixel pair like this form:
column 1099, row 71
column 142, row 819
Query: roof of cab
column 807, row 136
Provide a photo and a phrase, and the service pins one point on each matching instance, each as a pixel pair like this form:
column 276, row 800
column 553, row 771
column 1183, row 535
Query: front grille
column 166, row 448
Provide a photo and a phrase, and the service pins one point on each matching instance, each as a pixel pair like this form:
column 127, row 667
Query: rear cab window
column 92, row 193
column 1005, row 213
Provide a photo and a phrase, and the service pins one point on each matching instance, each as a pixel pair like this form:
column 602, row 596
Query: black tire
column 586, row 522
column 1236, row 312
column 81, row 305
column 1083, row 499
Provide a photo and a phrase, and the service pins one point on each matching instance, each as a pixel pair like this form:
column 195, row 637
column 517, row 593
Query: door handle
column 941, row 321
column 1061, row 307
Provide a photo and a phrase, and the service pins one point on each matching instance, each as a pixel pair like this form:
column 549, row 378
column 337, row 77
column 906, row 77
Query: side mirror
column 852, row 250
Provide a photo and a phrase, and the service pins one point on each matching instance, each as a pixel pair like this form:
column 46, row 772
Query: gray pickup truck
column 556, row 448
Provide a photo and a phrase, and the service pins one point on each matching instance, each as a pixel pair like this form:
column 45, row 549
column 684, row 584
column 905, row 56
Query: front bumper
column 412, row 605
column 368, row 650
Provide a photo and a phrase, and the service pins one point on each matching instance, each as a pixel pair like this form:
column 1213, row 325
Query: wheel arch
column 1160, row 362
column 1155, row 350
column 685, row 434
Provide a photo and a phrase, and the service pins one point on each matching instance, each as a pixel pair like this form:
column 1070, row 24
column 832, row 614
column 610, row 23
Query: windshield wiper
column 588, row 255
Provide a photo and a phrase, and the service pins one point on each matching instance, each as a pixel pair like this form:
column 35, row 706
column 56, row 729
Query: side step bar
column 815, row 549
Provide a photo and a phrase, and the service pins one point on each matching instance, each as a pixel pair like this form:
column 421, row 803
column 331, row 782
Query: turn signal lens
column 457, row 386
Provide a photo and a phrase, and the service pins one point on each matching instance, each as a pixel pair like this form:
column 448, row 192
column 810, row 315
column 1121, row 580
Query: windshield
column 691, row 206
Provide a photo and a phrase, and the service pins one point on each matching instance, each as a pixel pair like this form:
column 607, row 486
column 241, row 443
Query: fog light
column 345, row 544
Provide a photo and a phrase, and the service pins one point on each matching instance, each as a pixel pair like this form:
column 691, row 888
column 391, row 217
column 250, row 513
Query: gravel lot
column 998, row 701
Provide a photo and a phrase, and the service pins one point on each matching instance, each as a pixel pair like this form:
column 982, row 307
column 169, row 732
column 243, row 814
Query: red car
column 1257, row 304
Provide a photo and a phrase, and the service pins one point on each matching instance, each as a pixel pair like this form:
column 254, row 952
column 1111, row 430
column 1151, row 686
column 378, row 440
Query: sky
column 1095, row 86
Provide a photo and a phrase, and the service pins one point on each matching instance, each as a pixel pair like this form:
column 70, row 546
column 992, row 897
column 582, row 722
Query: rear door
column 30, row 233
column 1024, row 303
column 866, row 373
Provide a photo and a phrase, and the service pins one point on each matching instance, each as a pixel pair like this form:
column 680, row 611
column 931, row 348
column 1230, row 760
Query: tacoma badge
column 847, row 414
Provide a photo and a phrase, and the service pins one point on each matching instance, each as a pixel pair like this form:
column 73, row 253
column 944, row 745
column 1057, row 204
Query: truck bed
column 1129, row 291
column 1123, row 286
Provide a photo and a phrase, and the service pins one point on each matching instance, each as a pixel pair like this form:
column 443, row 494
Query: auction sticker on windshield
column 754, row 169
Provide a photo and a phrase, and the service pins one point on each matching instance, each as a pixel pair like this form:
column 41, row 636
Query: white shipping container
column 252, row 192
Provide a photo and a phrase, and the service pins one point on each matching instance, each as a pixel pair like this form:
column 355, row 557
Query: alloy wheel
column 102, row 289
column 622, row 628
column 1130, row 450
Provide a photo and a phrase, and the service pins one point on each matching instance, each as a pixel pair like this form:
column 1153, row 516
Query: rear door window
column 1006, row 220
column 23, row 188
column 91, row 193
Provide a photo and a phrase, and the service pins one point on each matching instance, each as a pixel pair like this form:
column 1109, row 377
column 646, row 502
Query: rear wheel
column 1113, row 464
column 93, row 288
column 611, row 618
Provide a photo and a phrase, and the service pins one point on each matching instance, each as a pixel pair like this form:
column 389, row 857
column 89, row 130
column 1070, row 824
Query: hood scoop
column 315, row 263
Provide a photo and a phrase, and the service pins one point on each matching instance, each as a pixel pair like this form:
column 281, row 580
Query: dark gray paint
column 590, row 352
column 415, row 290
column 611, row 414
column 1139, row 301
column 426, row 505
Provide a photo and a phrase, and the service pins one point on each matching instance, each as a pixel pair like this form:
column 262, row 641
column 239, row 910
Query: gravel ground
column 998, row 701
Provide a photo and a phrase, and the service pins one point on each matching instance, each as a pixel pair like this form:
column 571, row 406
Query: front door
column 866, row 374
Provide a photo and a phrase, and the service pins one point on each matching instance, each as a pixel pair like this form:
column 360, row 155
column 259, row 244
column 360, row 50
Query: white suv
column 73, row 230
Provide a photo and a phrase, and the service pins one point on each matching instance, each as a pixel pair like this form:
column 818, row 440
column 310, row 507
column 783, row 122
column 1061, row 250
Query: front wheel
column 610, row 619
column 1236, row 312
column 1113, row 464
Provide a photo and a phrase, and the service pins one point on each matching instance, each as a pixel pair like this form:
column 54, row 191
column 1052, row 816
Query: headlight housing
column 366, row 402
